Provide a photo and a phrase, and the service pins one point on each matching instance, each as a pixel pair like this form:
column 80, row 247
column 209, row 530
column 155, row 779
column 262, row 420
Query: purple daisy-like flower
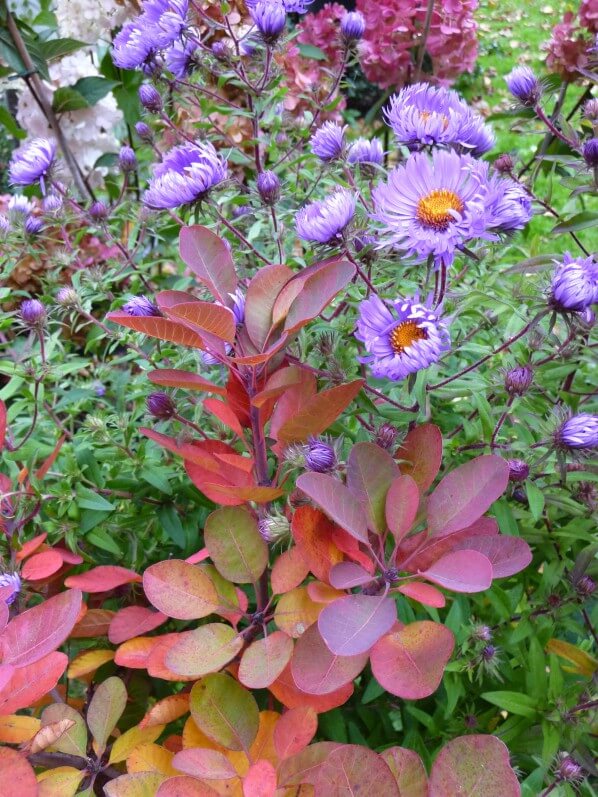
column 574, row 284
column 164, row 20
column 401, row 337
column 32, row 162
column 432, row 206
column 424, row 115
column 579, row 432
column 290, row 6
column 269, row 17
column 187, row 173
column 140, row 306
column 509, row 206
column 328, row 141
column 366, row 151
column 353, row 25
column 524, row 86
column 132, row 46
column 180, row 59
column 13, row 582
column 325, row 220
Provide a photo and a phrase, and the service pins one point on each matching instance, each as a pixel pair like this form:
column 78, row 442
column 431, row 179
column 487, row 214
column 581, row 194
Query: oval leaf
column 102, row 579
column 352, row 769
column 476, row 766
column 265, row 659
column 317, row 671
column 105, row 709
column 408, row 770
column 346, row 575
column 370, row 473
column 15, row 769
column 204, row 650
column 402, row 503
column 133, row 621
column 180, row 590
column 202, row 763
column 225, row 711
column 26, row 685
column 461, row 571
column 337, row 501
column 420, row 455
column 235, row 544
column 351, row 625
column 295, row 730
column 209, row 257
column 508, row 555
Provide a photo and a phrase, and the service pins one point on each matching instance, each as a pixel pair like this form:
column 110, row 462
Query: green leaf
column 94, row 88
column 513, row 702
column 313, row 52
column 57, row 48
column 7, row 121
column 171, row 523
column 225, row 711
column 87, row 499
column 236, row 547
column 535, row 497
column 105, row 709
column 66, row 98
column 101, row 539
column 157, row 480
column 578, row 222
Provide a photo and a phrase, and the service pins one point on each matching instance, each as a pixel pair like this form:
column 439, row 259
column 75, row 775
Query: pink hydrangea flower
column 568, row 48
column 588, row 15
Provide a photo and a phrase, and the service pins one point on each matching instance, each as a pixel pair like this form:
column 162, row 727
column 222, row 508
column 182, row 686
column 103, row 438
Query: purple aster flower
column 98, row 210
column 432, row 206
column 290, row 6
column 13, row 582
column 268, row 186
column 269, row 17
column 568, row 769
column 324, row 221
column 524, row 86
column 132, row 46
column 67, row 297
column 366, row 151
column 32, row 313
column 574, row 284
column 19, row 205
column 353, row 25
column 424, row 115
column 328, row 141
column 33, row 225
column 579, row 432
column 186, row 175
column 150, row 98
column 508, row 205
column 127, row 159
column 32, row 162
column 140, row 306
column 220, row 51
column 180, row 59
column 52, row 204
column 274, row 528
column 164, row 20
column 160, row 405
column 590, row 110
column 401, row 337
column 144, row 132
column 518, row 470
column 319, row 456
column 590, row 152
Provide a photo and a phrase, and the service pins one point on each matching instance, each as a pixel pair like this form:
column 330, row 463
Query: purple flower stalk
column 424, row 115
column 524, row 86
column 364, row 151
column 269, row 17
column 187, row 174
column 328, row 141
column 353, row 26
column 578, row 433
column 141, row 306
column 33, row 162
column 574, row 284
column 33, row 312
column 319, row 456
column 509, row 206
column 324, row 221
column 431, row 206
column 13, row 581
column 401, row 337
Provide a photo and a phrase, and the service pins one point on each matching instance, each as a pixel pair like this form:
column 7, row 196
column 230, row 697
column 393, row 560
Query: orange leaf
column 18, row 728
column 130, row 740
column 47, row 736
column 94, row 623
column 285, row 690
column 28, row 684
column 295, row 730
column 166, row 710
column 288, row 571
column 206, row 317
column 161, row 328
column 224, row 414
column 134, row 652
column 30, row 546
column 88, row 661
column 296, row 611
column 313, row 534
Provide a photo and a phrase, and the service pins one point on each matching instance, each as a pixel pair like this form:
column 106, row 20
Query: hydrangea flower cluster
column 568, row 48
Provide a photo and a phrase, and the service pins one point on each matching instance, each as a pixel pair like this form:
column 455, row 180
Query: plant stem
column 422, row 47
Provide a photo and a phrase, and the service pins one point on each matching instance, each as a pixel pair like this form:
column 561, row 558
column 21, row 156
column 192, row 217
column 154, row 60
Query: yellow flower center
column 405, row 335
column 425, row 115
column 436, row 209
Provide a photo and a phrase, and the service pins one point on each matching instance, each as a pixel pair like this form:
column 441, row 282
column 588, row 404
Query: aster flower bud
column 353, row 26
column 324, row 221
column 268, row 186
column 590, row 110
column 574, row 284
column 504, row 163
column 33, row 225
column 140, row 306
column 269, row 17
column 220, row 51
column 150, row 98
column 328, row 141
column 320, row 456
column 590, row 152
column 239, row 211
column 32, row 313
column 127, row 160
column 386, row 436
column 578, row 433
column 274, row 528
column 518, row 470
column 144, row 132
column 585, row 586
column 568, row 769
column 483, row 633
column 160, row 405
column 524, row 86
column 67, row 297
column 52, row 204
column 13, row 582
column 518, row 380
column 98, row 211
column 489, row 652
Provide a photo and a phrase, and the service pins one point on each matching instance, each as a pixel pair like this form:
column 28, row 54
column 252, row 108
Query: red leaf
column 475, row 765
column 4, row 613
column 220, row 487
column 167, row 299
column 264, row 660
column 103, row 578
column 288, row 571
column 29, row 684
column 420, row 455
column 279, row 383
column 302, row 389
column 197, row 452
column 225, row 415
column 180, row 590
column 260, row 780
column 203, row 763
column 402, row 504
column 288, row 693
column 40, row 630
column 170, row 377
column 410, row 662
column 312, row 531
column 49, row 461
column 370, row 473
column 42, row 565
column 303, row 767
column 319, row 412
column 351, row 625
column 179, row 786
column 206, row 317
column 30, row 546
column 317, row 671
column 317, row 286
column 133, row 621
column 16, row 770
column 423, row 593
column 161, row 328
column 337, row 501
column 508, row 555
column 466, row 493
column 209, row 257
column 259, row 301
column 295, row 730
column 351, row 770
column 461, row 571
column 416, row 554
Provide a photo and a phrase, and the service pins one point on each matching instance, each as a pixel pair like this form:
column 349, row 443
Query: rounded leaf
column 370, row 472
column 41, row 565
column 204, row 650
column 410, row 662
column 295, row 730
column 102, row 578
column 180, row 590
column 260, row 780
column 409, row 771
column 461, row 571
column 15, row 769
column 106, row 708
column 265, row 659
column 353, row 624
column 183, row 786
column 235, row 544
column 26, row 685
column 202, row 763
column 317, row 671
column 225, row 711
column 473, row 766
column 133, row 621
column 507, row 555
column 354, row 770
column 420, row 456
column 402, row 503
column 288, row 693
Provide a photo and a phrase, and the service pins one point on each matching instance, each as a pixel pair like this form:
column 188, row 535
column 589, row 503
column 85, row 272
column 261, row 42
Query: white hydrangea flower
column 89, row 21
column 89, row 132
